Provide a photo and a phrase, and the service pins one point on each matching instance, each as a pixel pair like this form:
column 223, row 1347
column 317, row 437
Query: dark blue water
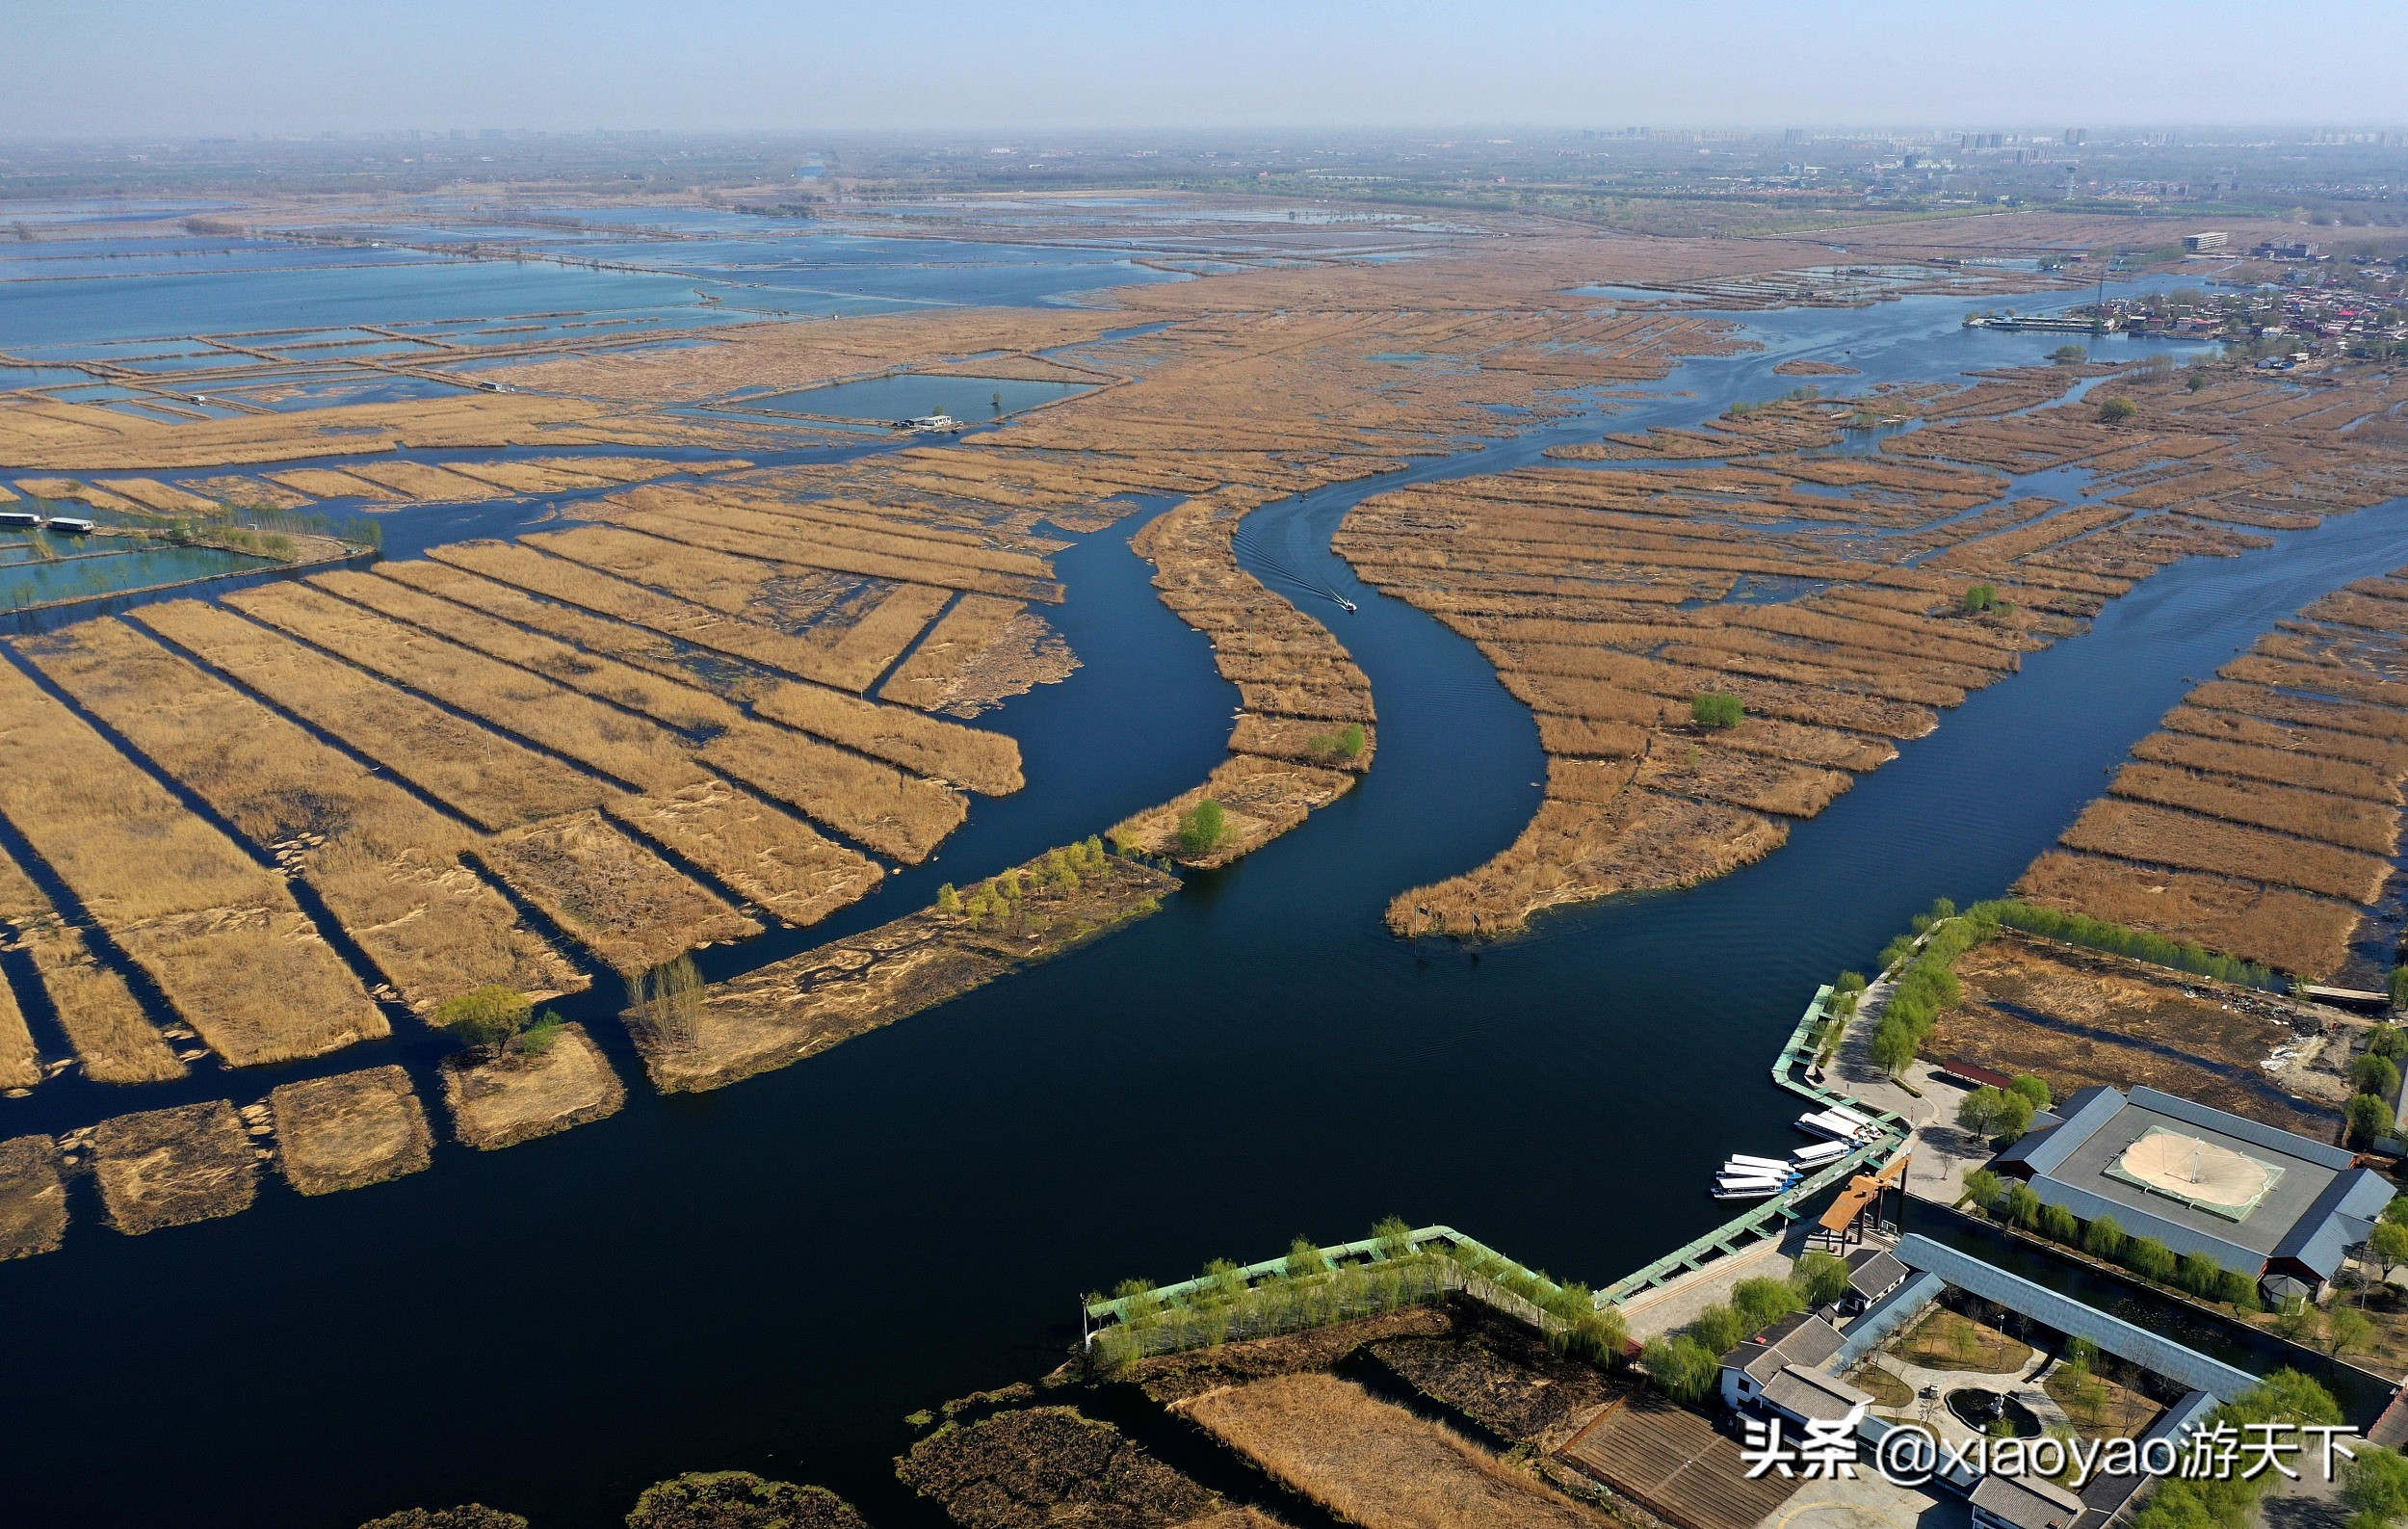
column 772, row 1275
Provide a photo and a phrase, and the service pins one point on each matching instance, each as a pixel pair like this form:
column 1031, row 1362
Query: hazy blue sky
column 241, row 66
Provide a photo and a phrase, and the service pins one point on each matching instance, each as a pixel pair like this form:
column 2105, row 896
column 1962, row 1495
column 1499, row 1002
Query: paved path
column 1676, row 1304
column 1942, row 1153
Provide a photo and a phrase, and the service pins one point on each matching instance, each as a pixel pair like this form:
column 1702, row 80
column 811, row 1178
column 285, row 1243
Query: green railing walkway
column 1773, row 1217
column 1764, row 1220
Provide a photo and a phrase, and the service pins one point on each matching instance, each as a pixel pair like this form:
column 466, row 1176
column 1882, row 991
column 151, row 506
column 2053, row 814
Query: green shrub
column 2370, row 1119
column 1202, row 828
column 2376, row 1074
column 1979, row 599
column 2117, row 410
column 1347, row 743
column 490, row 1016
column 2097, row 934
column 727, row 1499
column 1716, row 708
column 539, row 1037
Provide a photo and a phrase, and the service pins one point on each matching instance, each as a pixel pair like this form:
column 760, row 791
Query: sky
column 180, row 68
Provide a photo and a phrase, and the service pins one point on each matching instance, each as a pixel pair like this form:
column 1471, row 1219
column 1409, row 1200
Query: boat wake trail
column 1261, row 566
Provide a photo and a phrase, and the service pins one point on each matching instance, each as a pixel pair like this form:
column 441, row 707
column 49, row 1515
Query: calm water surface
column 772, row 1275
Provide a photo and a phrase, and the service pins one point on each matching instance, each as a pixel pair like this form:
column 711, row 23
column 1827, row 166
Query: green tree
column 1716, row 708
column 1984, row 1188
column 2070, row 355
column 2104, row 1239
column 486, row 1017
column 2023, row 1206
column 2375, row 1076
column 1893, row 1045
column 2059, row 1225
column 1719, row 1328
column 1979, row 599
column 2199, row 1274
column 1202, row 828
column 2150, row 1258
column 2298, row 1320
column 1978, row 1112
column 2376, row 1483
column 1227, row 1279
column 1681, row 1368
column 2389, row 1244
column 1760, row 1303
column 2399, row 986
column 1395, row 1238
column 2348, row 1329
column 2117, row 410
column 2369, row 1119
column 2198, row 382
column 1820, row 1279
column 948, row 901
column 2235, row 1288
column 1305, row 1259
column 2388, row 1039
column 2027, row 1086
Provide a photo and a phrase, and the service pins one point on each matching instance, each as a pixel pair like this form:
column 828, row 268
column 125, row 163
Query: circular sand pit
column 2204, row 1173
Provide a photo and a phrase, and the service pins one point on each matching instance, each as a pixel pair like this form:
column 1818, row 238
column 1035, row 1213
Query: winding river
column 772, row 1275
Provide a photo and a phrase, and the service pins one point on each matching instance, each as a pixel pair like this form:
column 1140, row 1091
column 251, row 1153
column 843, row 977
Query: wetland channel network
column 771, row 1277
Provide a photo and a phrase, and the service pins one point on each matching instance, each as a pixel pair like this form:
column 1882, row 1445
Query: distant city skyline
column 177, row 67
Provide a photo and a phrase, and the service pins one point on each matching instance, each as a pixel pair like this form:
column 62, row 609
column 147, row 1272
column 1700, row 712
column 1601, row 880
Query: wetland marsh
column 771, row 1276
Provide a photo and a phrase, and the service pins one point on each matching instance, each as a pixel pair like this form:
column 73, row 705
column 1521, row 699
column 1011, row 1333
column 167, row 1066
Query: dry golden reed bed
column 1371, row 1462
column 387, row 865
column 349, row 1130
column 2259, row 821
column 218, row 933
column 1609, row 600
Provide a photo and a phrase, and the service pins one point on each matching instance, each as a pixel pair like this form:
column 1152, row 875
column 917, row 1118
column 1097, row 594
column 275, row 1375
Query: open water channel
column 772, row 1275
